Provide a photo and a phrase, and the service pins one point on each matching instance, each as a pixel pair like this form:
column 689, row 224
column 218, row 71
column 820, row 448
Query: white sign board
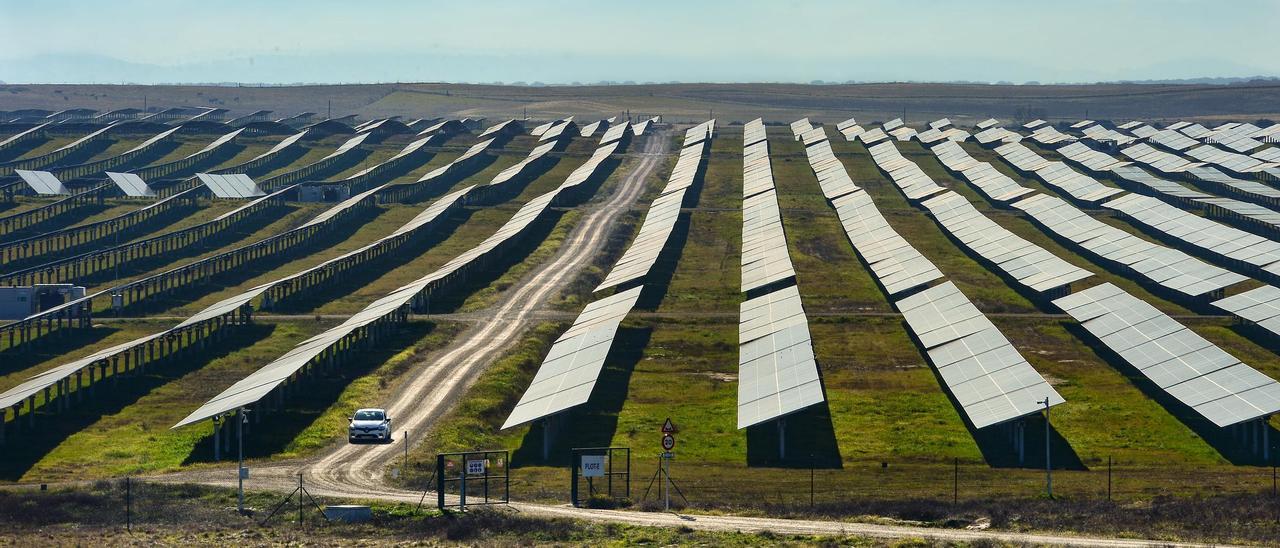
column 593, row 466
column 475, row 467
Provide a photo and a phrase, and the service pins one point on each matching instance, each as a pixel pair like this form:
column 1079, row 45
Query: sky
column 562, row 41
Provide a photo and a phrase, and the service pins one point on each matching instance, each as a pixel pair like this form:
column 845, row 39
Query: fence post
column 955, row 482
column 128, row 503
column 440, row 481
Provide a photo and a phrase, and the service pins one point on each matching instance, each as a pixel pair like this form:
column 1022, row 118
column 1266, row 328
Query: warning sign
column 669, row 427
column 475, row 467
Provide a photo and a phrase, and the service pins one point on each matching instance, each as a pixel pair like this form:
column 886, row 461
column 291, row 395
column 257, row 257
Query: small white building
column 20, row 302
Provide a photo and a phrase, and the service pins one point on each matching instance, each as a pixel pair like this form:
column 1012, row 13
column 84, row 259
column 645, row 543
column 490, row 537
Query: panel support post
column 546, row 438
column 782, row 439
column 217, row 440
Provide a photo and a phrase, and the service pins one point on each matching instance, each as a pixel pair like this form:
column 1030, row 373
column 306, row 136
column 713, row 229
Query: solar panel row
column 896, row 264
column 516, row 169
column 985, row 374
column 1056, row 174
column 765, row 259
column 615, row 133
column 994, row 134
column 1172, row 140
column 1231, row 161
column 832, row 176
column 42, row 182
column 1175, row 359
column 231, row 186
column 777, row 372
column 1227, row 208
column 1100, row 133
column 1260, row 306
column 569, row 372
column 994, row 184
column 1049, row 135
column 1169, row 268
column 904, row 173
column 871, row 136
column 1029, row 264
column 131, row 184
column 660, row 221
column 1224, row 241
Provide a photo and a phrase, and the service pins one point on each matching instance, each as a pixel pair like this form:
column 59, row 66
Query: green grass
column 130, row 433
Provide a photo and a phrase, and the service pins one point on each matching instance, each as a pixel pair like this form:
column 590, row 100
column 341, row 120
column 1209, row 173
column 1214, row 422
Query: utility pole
column 1048, row 466
column 240, row 414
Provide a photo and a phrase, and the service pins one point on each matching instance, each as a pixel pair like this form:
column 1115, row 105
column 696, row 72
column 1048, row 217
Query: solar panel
column 1260, row 306
column 832, row 177
column 516, row 169
column 985, row 374
column 1056, row 174
column 1169, row 268
column 765, row 259
column 1175, row 359
column 131, row 184
column 995, row 185
column 797, row 127
column 614, row 133
column 988, row 123
column 1171, row 139
column 895, row 262
column 1102, row 134
column 909, row 178
column 43, row 182
column 1232, row 161
column 591, row 129
column 1049, row 135
column 233, row 185
column 1224, row 241
column 569, row 371
column 993, row 134
column 1089, row 158
column 777, row 372
column 660, row 220
column 1030, row 265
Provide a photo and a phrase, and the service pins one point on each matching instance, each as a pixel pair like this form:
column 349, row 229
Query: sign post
column 668, row 445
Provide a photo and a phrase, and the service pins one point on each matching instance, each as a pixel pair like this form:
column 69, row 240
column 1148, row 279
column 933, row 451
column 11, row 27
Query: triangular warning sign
column 668, row 427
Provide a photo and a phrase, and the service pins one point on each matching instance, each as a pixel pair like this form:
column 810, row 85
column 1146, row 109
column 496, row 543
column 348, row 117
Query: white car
column 369, row 425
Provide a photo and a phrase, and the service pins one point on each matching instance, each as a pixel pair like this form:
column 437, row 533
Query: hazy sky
column 644, row 40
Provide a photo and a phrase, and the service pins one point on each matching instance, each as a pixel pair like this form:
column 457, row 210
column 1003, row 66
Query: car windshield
column 369, row 415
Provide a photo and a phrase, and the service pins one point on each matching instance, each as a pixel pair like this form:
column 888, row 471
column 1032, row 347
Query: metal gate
column 611, row 465
column 473, row 477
